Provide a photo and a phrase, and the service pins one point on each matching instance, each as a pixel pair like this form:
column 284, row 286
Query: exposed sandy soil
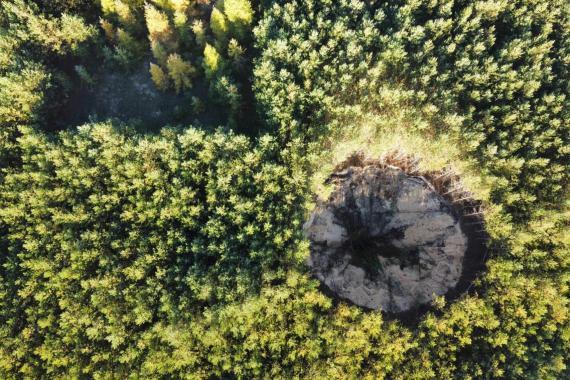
column 386, row 240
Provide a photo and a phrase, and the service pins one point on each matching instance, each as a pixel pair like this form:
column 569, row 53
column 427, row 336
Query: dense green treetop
column 109, row 233
column 30, row 44
column 493, row 72
column 180, row 255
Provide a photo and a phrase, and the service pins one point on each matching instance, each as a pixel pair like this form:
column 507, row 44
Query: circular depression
column 386, row 240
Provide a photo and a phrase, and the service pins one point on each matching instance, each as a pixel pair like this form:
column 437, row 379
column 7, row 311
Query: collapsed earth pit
column 386, row 239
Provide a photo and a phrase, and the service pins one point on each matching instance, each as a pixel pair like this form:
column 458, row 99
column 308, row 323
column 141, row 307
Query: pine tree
column 159, row 78
column 22, row 96
column 199, row 32
column 8, row 50
column 239, row 14
column 124, row 12
column 212, row 61
column 157, row 23
column 219, row 26
column 108, row 29
column 60, row 35
column 227, row 93
column 236, row 53
column 181, row 72
column 159, row 52
column 84, row 75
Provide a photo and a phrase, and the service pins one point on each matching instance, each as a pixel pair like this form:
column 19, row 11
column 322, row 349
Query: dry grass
column 397, row 141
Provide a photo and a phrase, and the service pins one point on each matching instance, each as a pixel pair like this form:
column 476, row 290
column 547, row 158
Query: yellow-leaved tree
column 124, row 13
column 212, row 61
column 239, row 14
column 159, row 77
column 157, row 23
column 219, row 25
column 180, row 71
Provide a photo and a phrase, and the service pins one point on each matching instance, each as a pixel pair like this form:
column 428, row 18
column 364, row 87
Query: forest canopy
column 158, row 160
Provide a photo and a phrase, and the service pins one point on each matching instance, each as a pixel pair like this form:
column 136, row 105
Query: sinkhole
column 390, row 240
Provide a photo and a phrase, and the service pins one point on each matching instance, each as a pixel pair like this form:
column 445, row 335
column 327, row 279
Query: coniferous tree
column 180, row 254
column 181, row 72
column 108, row 29
column 108, row 6
column 212, row 61
column 157, row 24
column 159, row 52
column 239, row 14
column 219, row 26
column 236, row 54
column 199, row 32
column 159, row 78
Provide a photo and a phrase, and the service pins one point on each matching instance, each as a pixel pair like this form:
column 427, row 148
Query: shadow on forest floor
column 131, row 97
